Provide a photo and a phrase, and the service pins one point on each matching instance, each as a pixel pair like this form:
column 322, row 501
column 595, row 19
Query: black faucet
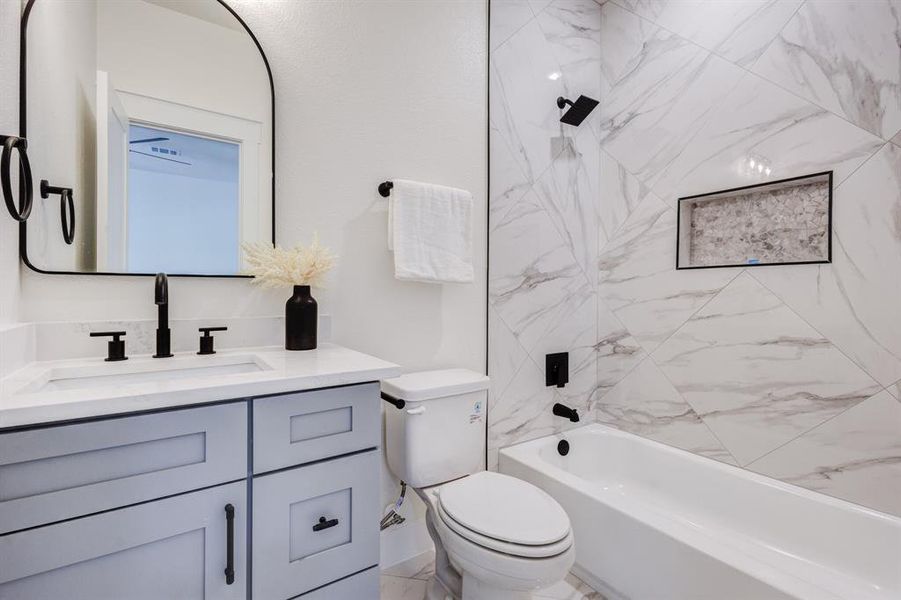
column 161, row 298
column 561, row 410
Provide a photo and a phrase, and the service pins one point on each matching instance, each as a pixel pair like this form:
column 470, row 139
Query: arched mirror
column 150, row 130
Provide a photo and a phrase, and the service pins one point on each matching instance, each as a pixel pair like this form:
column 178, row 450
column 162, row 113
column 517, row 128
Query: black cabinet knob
column 206, row 340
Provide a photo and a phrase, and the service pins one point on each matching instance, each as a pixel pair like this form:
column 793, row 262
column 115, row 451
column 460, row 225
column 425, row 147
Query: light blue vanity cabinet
column 316, row 492
column 162, row 505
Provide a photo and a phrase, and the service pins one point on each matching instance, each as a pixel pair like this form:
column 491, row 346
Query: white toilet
column 496, row 537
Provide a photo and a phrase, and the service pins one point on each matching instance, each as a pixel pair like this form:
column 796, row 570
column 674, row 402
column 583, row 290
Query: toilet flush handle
column 416, row 411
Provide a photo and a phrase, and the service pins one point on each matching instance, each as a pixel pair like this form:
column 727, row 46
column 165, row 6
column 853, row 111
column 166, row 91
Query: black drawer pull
column 229, row 544
column 323, row 524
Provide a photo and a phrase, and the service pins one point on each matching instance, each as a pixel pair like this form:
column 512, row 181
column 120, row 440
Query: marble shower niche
column 781, row 222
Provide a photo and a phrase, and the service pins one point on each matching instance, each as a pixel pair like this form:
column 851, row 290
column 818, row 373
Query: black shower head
column 578, row 110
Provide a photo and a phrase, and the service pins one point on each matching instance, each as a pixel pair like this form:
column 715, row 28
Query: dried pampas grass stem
column 274, row 267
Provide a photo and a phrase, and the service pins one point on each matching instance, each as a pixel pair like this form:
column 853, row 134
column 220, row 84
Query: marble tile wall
column 790, row 371
column 544, row 221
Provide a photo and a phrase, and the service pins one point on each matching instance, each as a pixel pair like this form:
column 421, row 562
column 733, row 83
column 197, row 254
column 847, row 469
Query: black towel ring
column 67, row 222
column 23, row 211
column 66, row 208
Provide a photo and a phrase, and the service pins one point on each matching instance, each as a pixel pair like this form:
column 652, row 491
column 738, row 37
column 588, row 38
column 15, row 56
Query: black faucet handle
column 206, row 340
column 115, row 347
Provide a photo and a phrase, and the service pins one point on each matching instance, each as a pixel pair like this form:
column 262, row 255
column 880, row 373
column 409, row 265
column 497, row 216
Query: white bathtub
column 653, row 522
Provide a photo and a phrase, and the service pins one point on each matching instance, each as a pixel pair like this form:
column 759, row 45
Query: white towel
column 430, row 232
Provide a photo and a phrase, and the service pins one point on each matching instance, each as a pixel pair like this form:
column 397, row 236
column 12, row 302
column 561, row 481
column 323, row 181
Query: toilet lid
column 521, row 550
column 504, row 508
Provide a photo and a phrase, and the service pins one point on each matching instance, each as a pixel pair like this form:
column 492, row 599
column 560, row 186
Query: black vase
column 301, row 320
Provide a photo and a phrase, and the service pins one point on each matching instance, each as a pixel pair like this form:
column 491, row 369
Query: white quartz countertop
column 23, row 403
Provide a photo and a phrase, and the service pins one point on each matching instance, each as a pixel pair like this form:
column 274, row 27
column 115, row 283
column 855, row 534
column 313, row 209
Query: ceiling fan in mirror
column 155, row 151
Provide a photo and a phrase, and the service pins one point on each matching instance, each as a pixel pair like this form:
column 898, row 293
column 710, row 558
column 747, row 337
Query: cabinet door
column 176, row 548
column 314, row 525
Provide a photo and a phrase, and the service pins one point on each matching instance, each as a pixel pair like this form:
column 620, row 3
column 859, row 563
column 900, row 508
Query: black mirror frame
column 23, row 246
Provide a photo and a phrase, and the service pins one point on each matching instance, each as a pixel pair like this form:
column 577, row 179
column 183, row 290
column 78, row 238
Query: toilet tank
column 439, row 434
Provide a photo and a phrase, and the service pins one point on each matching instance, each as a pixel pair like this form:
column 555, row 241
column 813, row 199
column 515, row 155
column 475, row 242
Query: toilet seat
column 504, row 514
column 518, row 550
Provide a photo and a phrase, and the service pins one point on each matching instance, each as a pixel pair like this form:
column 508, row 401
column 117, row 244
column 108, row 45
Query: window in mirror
column 182, row 210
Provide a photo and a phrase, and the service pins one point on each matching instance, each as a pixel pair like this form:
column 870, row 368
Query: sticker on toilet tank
column 476, row 415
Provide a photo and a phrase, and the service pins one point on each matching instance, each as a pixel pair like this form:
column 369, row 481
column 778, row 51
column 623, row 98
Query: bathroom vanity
column 231, row 481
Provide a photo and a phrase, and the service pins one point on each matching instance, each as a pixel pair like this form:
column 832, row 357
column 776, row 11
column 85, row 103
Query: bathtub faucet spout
column 566, row 412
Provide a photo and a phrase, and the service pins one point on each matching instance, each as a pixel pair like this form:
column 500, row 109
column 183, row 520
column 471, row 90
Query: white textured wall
column 365, row 91
column 62, row 136
column 9, row 125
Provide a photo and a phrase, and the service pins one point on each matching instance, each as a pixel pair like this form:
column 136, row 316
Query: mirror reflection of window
column 183, row 203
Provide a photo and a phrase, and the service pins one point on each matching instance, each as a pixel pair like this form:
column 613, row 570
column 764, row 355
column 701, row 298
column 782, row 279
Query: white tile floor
column 407, row 581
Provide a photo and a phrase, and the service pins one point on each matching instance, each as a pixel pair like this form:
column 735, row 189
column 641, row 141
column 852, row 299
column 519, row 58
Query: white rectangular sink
column 143, row 370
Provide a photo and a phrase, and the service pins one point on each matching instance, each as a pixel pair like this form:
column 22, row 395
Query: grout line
column 517, row 367
column 815, row 427
column 858, row 167
column 780, row 86
column 665, row 376
column 641, row 200
column 651, row 352
column 748, row 69
column 750, row 274
column 776, row 37
column 693, row 409
column 809, row 324
column 509, row 37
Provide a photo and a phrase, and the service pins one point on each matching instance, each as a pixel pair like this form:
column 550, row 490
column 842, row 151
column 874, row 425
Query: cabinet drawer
column 299, row 428
column 362, row 586
column 56, row 473
column 340, row 498
column 176, row 548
